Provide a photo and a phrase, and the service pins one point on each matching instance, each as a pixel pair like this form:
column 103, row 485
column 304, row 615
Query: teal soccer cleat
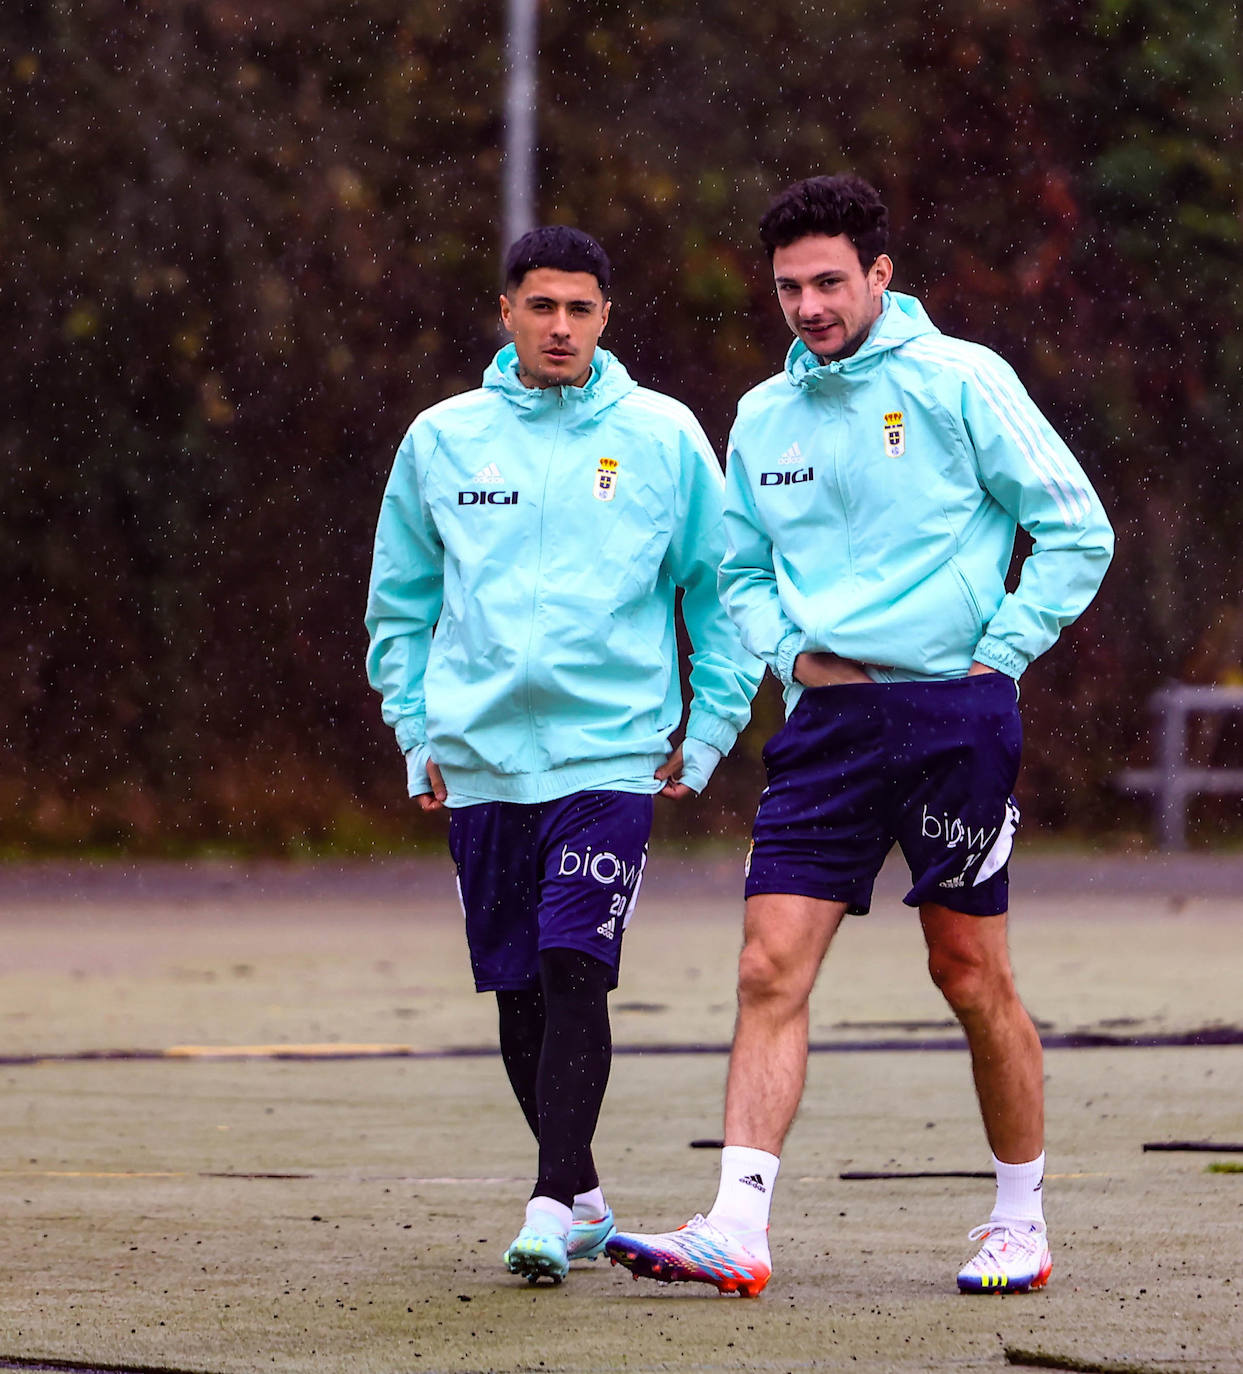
column 587, row 1238
column 540, row 1250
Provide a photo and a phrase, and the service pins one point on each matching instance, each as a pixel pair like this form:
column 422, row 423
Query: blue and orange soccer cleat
column 695, row 1253
column 1014, row 1258
column 587, row 1237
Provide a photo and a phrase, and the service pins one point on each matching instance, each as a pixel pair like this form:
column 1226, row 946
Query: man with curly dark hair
column 873, row 494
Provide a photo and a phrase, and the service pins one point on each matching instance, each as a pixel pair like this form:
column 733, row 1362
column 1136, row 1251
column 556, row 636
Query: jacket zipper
column 537, row 581
column 842, row 490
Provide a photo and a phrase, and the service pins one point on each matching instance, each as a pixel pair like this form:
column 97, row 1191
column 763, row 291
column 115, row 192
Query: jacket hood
column 902, row 318
column 608, row 383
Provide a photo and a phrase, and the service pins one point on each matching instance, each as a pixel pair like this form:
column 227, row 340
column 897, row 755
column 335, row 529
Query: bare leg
column 970, row 964
column 785, row 941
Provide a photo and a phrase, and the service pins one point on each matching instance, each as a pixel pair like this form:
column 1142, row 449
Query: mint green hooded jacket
column 871, row 509
column 521, row 610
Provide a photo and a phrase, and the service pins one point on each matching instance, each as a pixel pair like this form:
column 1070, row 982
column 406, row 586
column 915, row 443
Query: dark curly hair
column 828, row 205
column 559, row 247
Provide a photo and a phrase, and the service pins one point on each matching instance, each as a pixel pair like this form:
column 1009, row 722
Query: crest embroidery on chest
column 895, row 434
column 606, row 479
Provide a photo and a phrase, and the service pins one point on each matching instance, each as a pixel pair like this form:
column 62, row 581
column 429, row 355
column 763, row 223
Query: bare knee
column 758, row 974
column 785, row 939
column 765, row 979
column 970, row 982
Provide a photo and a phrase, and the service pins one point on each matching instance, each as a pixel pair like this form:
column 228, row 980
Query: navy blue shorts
column 928, row 765
column 562, row 874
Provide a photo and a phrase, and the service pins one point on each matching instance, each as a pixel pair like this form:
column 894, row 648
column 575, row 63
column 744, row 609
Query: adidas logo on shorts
column 608, row 929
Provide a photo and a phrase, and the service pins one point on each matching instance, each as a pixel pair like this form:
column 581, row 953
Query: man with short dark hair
column 532, row 539
column 873, row 493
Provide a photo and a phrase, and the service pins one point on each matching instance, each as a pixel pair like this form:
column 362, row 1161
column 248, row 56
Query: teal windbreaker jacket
column 521, row 610
column 871, row 507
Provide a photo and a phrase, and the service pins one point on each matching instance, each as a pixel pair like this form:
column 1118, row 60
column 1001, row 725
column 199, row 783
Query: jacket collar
column 608, row 383
column 902, row 318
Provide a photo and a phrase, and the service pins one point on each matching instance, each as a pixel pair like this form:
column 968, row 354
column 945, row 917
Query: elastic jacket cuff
column 709, row 729
column 417, row 781
column 698, row 763
column 996, row 653
column 787, row 651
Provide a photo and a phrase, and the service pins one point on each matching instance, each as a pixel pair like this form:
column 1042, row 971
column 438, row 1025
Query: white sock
column 590, row 1206
column 550, row 1207
column 745, row 1195
column 1020, row 1191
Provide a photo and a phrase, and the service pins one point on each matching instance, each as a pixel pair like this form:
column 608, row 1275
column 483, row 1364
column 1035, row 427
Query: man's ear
column 506, row 312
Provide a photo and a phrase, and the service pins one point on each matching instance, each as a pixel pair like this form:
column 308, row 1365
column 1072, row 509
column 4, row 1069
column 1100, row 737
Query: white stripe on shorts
column 1001, row 846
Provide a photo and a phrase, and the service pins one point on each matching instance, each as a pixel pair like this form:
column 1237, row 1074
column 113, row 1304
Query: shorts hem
column 506, row 984
column 858, row 905
column 953, row 903
column 613, row 965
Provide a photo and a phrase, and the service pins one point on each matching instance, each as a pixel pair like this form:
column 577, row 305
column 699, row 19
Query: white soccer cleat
column 695, row 1253
column 1013, row 1258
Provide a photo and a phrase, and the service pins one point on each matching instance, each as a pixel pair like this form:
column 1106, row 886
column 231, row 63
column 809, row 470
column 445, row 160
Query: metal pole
column 518, row 188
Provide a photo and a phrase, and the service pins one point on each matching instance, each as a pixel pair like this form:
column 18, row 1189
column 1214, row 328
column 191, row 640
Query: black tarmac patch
column 85, row 1367
column 1204, row 1037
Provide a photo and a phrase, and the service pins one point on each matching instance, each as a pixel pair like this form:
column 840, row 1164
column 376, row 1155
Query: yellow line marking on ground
column 275, row 1051
column 88, row 1173
column 462, row 1182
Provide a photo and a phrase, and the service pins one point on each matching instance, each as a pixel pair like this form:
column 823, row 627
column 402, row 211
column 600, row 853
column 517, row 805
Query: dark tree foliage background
column 242, row 244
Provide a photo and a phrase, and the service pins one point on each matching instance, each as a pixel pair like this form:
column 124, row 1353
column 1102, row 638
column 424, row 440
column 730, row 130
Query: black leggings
column 557, row 1049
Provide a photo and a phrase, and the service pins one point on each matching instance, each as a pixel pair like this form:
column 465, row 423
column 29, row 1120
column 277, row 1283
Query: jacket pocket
column 968, row 595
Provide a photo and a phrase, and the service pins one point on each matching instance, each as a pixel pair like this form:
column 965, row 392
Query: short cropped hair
column 559, row 247
column 832, row 206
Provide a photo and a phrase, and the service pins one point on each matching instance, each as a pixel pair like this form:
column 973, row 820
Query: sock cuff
column 550, row 1207
column 746, row 1160
column 590, row 1205
column 1034, row 1168
column 1020, row 1190
column 745, row 1194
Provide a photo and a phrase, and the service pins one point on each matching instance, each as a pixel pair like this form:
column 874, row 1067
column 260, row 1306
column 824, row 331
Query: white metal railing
column 1172, row 780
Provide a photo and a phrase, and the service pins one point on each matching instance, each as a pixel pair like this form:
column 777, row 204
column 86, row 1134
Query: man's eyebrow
column 829, row 274
column 552, row 300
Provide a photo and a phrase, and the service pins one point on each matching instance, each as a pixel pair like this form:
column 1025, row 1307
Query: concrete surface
column 348, row 1214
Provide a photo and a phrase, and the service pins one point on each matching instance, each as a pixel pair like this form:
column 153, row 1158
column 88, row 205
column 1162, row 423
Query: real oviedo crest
column 895, row 434
column 606, row 479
